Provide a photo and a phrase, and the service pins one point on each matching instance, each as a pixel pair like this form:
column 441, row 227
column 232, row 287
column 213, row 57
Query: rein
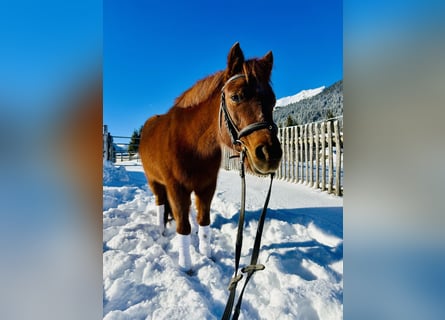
column 253, row 266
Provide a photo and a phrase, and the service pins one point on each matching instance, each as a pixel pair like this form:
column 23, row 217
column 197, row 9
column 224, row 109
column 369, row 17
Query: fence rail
column 113, row 148
column 312, row 154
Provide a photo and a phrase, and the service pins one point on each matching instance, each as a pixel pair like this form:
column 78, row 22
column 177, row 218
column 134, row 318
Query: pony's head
column 247, row 102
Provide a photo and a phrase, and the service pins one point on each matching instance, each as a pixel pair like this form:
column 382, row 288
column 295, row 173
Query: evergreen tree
column 329, row 114
column 133, row 147
column 290, row 121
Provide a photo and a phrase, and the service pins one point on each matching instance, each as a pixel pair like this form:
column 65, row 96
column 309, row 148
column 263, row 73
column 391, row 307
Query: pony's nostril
column 268, row 153
column 277, row 153
column 261, row 152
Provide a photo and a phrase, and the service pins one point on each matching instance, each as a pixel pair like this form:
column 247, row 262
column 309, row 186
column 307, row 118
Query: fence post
column 306, row 155
column 317, row 157
column 301, row 153
column 311, row 155
column 285, row 154
column 338, row 154
column 223, row 158
column 283, row 159
column 107, row 152
column 288, row 157
column 331, row 158
column 297, row 151
column 105, row 142
column 280, row 137
column 292, row 159
column 323, row 155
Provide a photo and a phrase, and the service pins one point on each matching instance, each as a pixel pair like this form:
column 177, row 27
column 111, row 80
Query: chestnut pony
column 181, row 150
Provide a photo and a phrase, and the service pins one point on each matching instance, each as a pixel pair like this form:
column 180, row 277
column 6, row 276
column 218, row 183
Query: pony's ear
column 268, row 60
column 235, row 60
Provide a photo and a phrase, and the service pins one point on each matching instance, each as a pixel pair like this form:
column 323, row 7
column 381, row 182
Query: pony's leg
column 192, row 219
column 203, row 201
column 204, row 235
column 184, row 259
column 160, row 211
column 179, row 200
column 161, row 199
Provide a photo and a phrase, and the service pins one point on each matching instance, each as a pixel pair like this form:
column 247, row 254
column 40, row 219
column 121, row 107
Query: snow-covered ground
column 302, row 250
column 304, row 94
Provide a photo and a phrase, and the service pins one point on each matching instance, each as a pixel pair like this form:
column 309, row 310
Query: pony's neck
column 202, row 101
column 211, row 134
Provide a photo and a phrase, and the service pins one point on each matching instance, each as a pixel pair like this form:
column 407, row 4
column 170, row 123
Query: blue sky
column 155, row 50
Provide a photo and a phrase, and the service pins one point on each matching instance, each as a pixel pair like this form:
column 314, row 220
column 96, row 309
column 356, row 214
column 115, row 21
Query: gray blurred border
column 394, row 127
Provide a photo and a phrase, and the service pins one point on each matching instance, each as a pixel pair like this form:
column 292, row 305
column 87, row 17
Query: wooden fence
column 312, row 154
column 115, row 148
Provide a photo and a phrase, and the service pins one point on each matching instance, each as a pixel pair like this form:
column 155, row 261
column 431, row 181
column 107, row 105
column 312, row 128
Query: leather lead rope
column 239, row 242
column 253, row 267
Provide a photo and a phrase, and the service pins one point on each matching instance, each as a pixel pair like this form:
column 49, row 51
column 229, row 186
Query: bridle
column 234, row 132
column 253, row 267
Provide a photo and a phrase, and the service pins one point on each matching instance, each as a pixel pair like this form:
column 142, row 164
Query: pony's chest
column 195, row 169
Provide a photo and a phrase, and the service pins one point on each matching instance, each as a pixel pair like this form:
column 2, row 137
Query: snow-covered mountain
column 304, row 94
column 313, row 105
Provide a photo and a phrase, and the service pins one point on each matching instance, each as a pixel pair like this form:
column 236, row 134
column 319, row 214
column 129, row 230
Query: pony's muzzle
column 267, row 158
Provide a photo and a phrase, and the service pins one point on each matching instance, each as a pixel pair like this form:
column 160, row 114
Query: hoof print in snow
column 190, row 272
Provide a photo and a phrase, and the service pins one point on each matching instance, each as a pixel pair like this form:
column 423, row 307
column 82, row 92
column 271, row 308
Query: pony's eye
column 235, row 98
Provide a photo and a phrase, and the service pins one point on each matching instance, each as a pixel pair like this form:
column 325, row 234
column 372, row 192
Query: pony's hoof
column 187, row 270
column 205, row 250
